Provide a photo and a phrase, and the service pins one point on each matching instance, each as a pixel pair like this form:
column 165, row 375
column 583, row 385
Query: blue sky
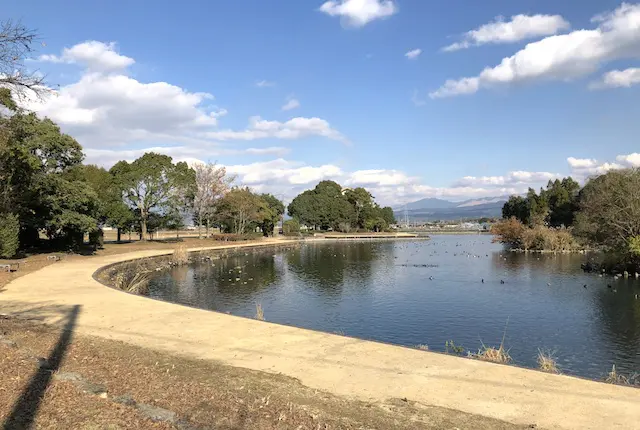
column 134, row 75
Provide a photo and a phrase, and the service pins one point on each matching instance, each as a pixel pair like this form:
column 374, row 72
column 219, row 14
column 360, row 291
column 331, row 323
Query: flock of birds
column 472, row 255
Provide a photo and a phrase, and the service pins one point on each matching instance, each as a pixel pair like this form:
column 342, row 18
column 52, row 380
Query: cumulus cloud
column 583, row 168
column 294, row 128
column 560, row 57
column 413, row 54
column 513, row 178
column 520, row 27
column 95, row 56
column 358, row 13
column 291, row 104
column 618, row 79
column 190, row 154
column 107, row 108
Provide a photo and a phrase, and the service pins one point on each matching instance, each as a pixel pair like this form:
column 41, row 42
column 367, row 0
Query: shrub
column 547, row 362
column 180, row 255
column 133, row 278
column 291, row 227
column 9, row 235
column 96, row 239
column 509, row 231
column 538, row 238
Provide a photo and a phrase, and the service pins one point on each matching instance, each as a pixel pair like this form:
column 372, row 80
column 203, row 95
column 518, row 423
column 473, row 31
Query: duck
column 609, row 286
column 584, row 286
column 501, row 281
column 431, row 278
column 483, row 280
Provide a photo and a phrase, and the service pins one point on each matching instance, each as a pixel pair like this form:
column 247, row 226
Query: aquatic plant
column 547, row 362
column 133, row 278
column 259, row 312
column 180, row 255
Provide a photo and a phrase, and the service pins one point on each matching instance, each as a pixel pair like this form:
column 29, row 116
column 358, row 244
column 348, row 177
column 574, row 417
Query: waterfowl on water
column 483, row 280
column 431, row 278
column 584, row 286
column 501, row 281
column 608, row 285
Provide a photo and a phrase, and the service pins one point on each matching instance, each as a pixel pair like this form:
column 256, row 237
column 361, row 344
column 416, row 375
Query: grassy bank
column 102, row 384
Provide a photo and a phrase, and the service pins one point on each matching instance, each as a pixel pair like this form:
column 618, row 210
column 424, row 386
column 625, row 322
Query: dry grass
column 180, row 255
column 259, row 312
column 133, row 278
column 616, row 378
column 202, row 393
column 494, row 355
column 547, row 362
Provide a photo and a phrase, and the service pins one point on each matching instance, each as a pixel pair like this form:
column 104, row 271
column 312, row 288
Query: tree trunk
column 119, row 235
column 143, row 227
column 199, row 226
column 207, row 227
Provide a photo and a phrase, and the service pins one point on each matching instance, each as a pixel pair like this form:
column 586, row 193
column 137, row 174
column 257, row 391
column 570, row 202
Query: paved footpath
column 344, row 366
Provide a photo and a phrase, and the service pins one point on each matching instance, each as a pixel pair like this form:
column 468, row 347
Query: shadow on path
column 26, row 408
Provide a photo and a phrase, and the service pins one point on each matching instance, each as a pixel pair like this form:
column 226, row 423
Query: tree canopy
column 554, row 206
column 154, row 183
column 328, row 206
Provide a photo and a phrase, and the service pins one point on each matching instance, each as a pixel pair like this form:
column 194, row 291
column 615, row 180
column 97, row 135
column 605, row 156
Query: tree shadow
column 26, row 407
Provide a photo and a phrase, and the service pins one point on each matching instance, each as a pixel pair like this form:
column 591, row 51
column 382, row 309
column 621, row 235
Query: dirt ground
column 57, row 380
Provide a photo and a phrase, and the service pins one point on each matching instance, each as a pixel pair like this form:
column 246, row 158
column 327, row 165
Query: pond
column 460, row 288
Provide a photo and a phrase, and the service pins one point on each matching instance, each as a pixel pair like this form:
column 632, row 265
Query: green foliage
column 609, row 214
column 274, row 209
column 153, row 183
column 634, row 245
column 451, row 348
column 328, row 207
column 291, row 227
column 9, row 235
column 324, row 207
column 240, row 210
column 556, row 206
column 35, row 182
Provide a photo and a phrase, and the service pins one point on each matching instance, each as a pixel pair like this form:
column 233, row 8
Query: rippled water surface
column 425, row 293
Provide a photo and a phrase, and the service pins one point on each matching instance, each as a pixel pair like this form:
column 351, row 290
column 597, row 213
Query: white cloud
column 583, row 168
column 108, row 157
column 618, row 79
column 379, row 177
column 95, row 56
column 294, row 128
column 112, row 109
column 561, row 57
column 416, row 100
column 291, row 104
column 520, row 27
column 630, row 160
column 413, row 54
column 265, row 84
column 358, row 13
column 106, row 108
column 513, row 178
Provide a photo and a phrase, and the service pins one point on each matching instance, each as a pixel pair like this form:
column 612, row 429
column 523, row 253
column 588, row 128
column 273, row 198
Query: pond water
column 426, row 293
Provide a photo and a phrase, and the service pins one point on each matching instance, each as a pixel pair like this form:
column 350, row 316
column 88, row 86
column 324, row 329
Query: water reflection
column 463, row 288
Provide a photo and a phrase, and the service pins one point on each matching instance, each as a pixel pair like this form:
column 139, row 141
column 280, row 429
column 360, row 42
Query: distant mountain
column 437, row 209
column 429, row 203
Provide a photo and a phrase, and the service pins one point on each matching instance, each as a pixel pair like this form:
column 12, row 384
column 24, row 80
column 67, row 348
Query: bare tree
column 16, row 45
column 212, row 183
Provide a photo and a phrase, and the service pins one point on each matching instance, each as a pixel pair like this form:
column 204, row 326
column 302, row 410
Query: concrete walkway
column 355, row 368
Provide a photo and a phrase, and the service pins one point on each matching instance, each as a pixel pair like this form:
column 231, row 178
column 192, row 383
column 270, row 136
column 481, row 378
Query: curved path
column 344, row 366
